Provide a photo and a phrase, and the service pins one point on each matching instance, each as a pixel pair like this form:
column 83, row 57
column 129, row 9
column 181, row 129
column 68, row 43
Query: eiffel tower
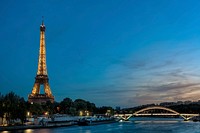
column 41, row 77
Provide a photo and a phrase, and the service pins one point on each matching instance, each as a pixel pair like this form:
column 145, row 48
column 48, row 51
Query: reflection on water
column 28, row 131
column 5, row 132
column 156, row 122
column 141, row 125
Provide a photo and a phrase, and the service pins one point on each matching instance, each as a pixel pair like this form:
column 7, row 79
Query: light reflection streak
column 28, row 131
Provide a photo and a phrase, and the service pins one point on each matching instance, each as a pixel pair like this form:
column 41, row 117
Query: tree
column 80, row 104
column 91, row 107
column 22, row 110
column 65, row 106
column 49, row 107
column 105, row 109
column 56, row 107
column 72, row 111
column 11, row 102
column 2, row 108
column 36, row 109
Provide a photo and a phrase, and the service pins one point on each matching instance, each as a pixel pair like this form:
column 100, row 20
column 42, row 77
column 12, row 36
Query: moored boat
column 94, row 121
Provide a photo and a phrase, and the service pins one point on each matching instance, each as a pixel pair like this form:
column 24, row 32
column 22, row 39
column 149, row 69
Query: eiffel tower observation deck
column 41, row 78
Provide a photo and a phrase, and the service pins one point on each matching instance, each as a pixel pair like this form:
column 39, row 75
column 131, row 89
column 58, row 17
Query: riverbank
column 142, row 125
column 50, row 125
column 53, row 125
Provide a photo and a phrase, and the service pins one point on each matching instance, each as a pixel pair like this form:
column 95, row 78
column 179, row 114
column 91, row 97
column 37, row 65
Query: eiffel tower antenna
column 42, row 20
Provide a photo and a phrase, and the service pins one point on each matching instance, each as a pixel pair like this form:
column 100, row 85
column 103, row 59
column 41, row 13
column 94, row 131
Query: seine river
column 136, row 125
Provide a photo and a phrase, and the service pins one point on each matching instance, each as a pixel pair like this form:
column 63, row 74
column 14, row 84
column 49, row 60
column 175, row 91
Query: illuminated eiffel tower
column 41, row 77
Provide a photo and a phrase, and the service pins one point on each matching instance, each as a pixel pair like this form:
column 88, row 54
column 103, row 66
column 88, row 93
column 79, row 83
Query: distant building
column 187, row 102
column 180, row 102
column 117, row 108
column 167, row 103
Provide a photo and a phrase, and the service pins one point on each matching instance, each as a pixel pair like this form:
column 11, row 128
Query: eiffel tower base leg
column 40, row 98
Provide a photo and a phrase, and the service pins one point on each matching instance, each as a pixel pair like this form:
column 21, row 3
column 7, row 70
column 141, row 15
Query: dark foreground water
column 142, row 125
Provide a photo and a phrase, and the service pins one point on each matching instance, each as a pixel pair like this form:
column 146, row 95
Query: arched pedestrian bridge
column 145, row 112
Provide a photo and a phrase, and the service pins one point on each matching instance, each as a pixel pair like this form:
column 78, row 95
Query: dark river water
column 136, row 125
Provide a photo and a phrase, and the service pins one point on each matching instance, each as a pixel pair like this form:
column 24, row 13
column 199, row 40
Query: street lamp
column 28, row 114
column 81, row 113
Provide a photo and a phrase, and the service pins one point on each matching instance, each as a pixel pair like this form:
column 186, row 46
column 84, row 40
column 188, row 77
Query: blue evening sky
column 110, row 52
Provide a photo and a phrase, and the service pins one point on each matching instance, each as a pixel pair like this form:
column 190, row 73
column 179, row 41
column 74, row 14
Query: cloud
column 135, row 64
column 167, row 92
column 170, row 86
column 142, row 81
column 161, row 65
column 137, row 80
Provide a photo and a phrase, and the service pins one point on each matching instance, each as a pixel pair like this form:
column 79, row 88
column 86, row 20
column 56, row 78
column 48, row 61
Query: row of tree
column 14, row 107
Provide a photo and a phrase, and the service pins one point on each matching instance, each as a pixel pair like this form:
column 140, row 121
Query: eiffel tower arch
column 41, row 76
